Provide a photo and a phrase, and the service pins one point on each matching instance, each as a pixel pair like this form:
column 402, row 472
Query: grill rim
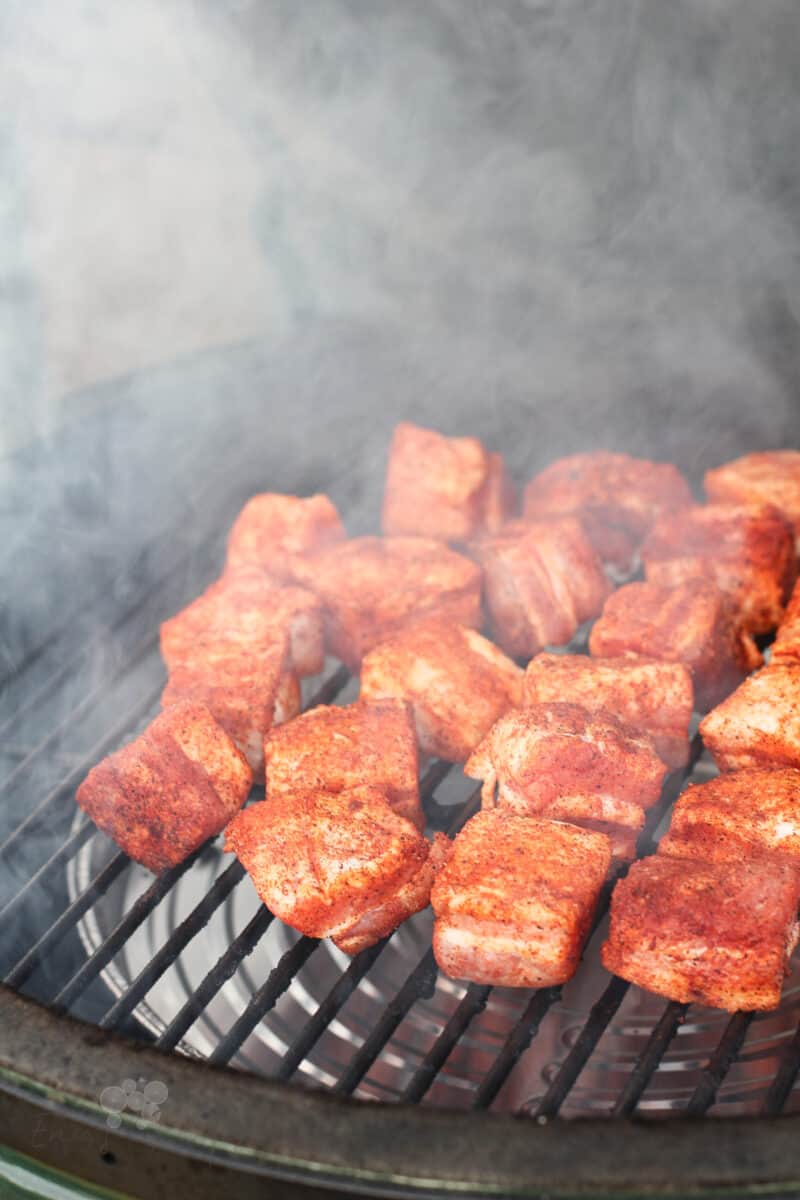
column 223, row 1117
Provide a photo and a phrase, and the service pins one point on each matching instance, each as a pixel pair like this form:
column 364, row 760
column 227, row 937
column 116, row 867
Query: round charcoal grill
column 166, row 1035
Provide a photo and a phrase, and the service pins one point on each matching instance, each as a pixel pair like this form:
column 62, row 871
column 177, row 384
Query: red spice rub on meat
column 272, row 531
column 759, row 724
column 765, row 477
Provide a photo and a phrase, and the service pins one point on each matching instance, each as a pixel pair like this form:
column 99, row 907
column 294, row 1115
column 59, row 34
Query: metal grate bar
column 515, row 1045
column 719, row 1064
column 649, row 1060
column 471, row 1004
column 61, row 856
column 780, row 1088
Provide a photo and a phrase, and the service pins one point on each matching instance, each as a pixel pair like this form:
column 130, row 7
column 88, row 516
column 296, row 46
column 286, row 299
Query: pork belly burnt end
column 738, row 816
column 456, row 682
column 563, row 762
column 748, row 552
column 247, row 693
column 342, row 865
column 694, row 624
column 515, row 901
column 542, row 579
column 272, row 531
column 371, row 587
column 336, row 748
column 443, row 487
column 616, row 497
column 164, row 794
column 705, row 933
column 244, row 610
column 786, row 647
column 759, row 724
column 644, row 693
column 766, row 477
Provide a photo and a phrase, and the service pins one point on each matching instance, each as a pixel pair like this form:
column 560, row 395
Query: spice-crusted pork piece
column 561, row 761
column 456, row 682
column 644, row 693
column 695, row 624
column 516, row 898
column 542, row 579
column 246, row 693
column 759, row 724
column 370, row 587
column 786, row 647
column 272, row 531
column 335, row 748
column 246, row 610
column 766, row 477
column 718, row 934
column 738, row 816
column 443, row 487
column 164, row 794
column 342, row 865
column 616, row 497
column 747, row 551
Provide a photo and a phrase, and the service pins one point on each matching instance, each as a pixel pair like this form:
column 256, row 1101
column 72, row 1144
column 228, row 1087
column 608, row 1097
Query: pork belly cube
column 272, row 531
column 246, row 693
column 443, row 487
column 542, row 579
column 759, row 724
column 738, row 816
column 617, row 498
column 456, row 682
column 786, row 647
column 695, row 624
column 718, row 934
column 748, row 552
column 371, row 587
column 766, row 477
column 515, row 901
column 342, row 865
column 245, row 610
column 335, row 748
column 644, row 693
column 562, row 761
column 167, row 792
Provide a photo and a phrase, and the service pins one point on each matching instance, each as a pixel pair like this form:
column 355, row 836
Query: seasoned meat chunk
column 719, row 934
column 371, row 587
column 786, row 647
column 562, row 761
column 644, row 693
column 766, row 477
column 542, row 579
column 515, row 901
column 456, row 682
column 738, row 816
column 342, row 865
column 443, row 487
column 272, row 531
column 759, row 724
column 617, row 498
column 164, row 794
column 694, row 624
column 748, row 552
column 333, row 748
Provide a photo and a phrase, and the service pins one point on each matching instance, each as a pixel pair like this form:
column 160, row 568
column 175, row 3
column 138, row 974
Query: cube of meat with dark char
column 245, row 609
column 272, row 531
column 164, row 794
column 541, row 581
column 759, row 724
column 246, row 693
column 644, row 693
column 342, row 865
column 695, row 624
column 719, row 934
column 515, row 901
column 616, row 497
column 443, row 487
column 456, row 682
column 748, row 552
column 562, row 761
column 765, row 477
column 371, row 587
column 336, row 748
column 737, row 817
